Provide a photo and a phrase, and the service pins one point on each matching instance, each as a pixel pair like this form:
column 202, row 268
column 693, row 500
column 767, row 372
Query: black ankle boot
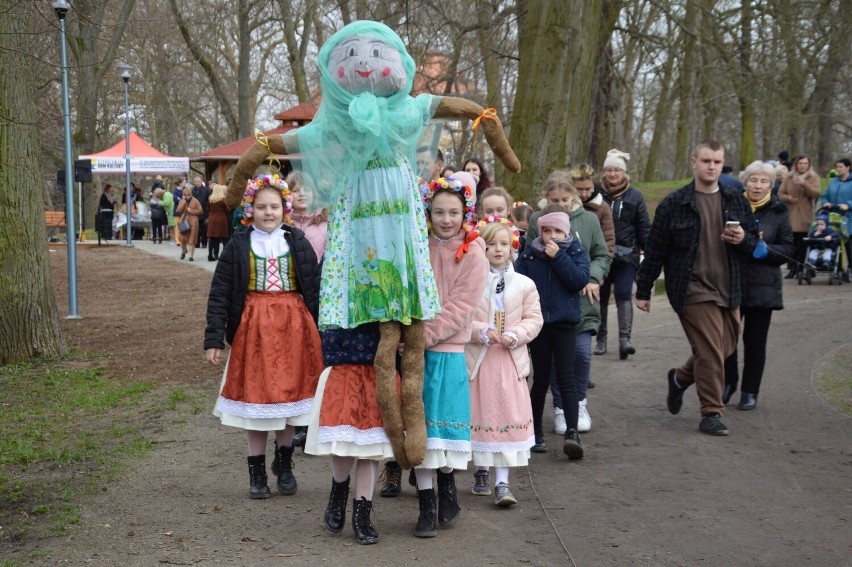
column 335, row 512
column 300, row 436
column 727, row 392
column 286, row 480
column 448, row 501
column 426, row 523
column 364, row 532
column 392, row 477
column 747, row 401
column 257, row 477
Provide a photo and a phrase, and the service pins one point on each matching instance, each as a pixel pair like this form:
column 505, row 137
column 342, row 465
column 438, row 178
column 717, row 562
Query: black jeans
column 800, row 250
column 158, row 228
column 557, row 343
column 755, row 330
column 213, row 250
column 202, row 232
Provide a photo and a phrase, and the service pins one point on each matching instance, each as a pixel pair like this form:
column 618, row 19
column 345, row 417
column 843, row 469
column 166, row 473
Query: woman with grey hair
column 760, row 283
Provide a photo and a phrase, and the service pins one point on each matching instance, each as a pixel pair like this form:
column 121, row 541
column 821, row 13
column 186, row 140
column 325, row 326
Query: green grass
column 833, row 381
column 66, row 430
column 654, row 191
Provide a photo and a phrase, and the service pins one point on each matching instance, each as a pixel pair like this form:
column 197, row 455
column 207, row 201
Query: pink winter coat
column 316, row 232
column 460, row 286
column 523, row 318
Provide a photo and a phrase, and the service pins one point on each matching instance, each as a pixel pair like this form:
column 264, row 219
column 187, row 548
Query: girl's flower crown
column 516, row 234
column 517, row 204
column 258, row 183
column 456, row 186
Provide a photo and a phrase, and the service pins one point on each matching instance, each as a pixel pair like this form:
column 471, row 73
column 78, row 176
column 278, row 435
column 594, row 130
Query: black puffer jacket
column 630, row 217
column 761, row 280
column 229, row 288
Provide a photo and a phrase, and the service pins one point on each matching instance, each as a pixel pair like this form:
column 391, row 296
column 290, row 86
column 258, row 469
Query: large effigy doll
column 360, row 152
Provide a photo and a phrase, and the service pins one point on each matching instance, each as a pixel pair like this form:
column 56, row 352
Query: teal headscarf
column 352, row 131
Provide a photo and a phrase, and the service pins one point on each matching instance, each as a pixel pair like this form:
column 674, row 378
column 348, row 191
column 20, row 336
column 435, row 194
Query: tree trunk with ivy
column 29, row 323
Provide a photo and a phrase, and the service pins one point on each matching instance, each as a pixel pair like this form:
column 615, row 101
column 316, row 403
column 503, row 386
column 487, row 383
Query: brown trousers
column 712, row 332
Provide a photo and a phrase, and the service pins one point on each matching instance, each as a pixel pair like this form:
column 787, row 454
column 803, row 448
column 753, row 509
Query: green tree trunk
column 686, row 92
column 29, row 323
column 661, row 118
column 551, row 113
column 745, row 93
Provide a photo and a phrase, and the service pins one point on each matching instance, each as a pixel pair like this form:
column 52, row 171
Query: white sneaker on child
column 559, row 425
column 584, row 420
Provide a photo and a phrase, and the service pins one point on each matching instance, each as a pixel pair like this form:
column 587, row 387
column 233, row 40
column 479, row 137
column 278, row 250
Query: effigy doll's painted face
column 364, row 64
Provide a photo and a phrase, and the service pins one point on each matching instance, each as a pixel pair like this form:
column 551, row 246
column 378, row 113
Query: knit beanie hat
column 559, row 221
column 617, row 159
column 467, row 179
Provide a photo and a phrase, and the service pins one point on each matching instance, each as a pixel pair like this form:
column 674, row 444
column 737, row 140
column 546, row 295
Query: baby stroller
column 822, row 259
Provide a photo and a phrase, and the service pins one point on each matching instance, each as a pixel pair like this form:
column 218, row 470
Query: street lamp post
column 61, row 8
column 125, row 70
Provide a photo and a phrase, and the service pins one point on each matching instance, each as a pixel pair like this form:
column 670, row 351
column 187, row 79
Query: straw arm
column 247, row 166
column 454, row 107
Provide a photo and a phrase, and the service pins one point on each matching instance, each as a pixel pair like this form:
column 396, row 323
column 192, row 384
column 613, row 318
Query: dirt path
column 651, row 491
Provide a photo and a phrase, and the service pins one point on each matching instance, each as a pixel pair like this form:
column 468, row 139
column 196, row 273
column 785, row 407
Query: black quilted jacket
column 673, row 243
column 229, row 288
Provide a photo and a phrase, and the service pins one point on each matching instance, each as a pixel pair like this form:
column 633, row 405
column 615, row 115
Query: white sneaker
column 584, row 420
column 559, row 425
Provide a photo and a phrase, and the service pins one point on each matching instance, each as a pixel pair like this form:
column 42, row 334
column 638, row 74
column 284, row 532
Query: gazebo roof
column 294, row 117
column 234, row 150
column 303, row 112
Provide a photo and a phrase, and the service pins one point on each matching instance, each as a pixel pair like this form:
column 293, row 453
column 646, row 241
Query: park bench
column 55, row 220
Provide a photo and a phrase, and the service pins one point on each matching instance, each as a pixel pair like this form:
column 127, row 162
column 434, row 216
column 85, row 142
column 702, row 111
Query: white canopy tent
column 144, row 160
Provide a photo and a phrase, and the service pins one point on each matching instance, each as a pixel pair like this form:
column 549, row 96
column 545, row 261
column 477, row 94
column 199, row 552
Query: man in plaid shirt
column 702, row 235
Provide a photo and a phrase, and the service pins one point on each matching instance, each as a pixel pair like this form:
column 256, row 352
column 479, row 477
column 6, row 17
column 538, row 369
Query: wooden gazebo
column 219, row 160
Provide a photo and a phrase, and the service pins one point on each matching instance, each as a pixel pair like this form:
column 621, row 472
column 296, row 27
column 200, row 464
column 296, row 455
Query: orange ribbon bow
column 465, row 246
column 490, row 113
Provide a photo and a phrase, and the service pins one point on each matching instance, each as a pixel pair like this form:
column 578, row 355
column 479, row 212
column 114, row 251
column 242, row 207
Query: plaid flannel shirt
column 673, row 243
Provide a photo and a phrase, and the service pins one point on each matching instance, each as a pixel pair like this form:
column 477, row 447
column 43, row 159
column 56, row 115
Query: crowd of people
column 522, row 292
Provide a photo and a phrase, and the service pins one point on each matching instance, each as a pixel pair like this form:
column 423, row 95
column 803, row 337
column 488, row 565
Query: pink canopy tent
column 144, row 160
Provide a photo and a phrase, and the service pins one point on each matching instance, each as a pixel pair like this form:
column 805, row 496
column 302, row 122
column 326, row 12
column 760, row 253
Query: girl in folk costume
column 346, row 423
column 458, row 260
column 314, row 223
column 507, row 318
column 263, row 301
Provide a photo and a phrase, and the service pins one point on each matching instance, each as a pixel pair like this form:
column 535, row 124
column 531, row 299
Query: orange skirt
column 274, row 366
column 346, row 421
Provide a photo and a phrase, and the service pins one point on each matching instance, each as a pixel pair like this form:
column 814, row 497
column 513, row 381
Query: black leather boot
column 257, row 478
column 727, row 392
column 600, row 347
column 747, row 401
column 427, row 522
column 625, row 328
column 300, row 436
column 448, row 501
column 392, row 479
column 286, row 480
column 364, row 532
column 335, row 512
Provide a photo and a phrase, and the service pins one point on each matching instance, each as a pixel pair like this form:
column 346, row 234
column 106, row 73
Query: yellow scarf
column 757, row 204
